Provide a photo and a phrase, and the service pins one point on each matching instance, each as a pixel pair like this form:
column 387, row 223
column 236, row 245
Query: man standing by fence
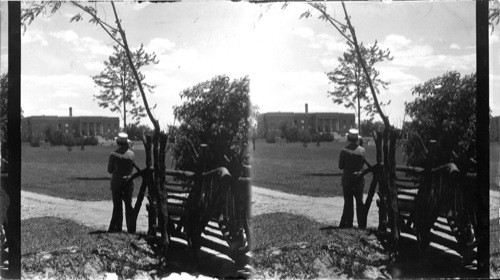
column 351, row 161
column 120, row 165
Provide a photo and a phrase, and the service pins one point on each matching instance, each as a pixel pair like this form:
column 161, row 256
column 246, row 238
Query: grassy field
column 494, row 164
column 305, row 171
column 291, row 168
column 80, row 175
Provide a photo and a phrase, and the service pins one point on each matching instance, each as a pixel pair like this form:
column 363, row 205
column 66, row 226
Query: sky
column 285, row 56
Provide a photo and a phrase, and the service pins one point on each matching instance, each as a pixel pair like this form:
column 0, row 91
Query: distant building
column 34, row 126
column 315, row 122
column 495, row 129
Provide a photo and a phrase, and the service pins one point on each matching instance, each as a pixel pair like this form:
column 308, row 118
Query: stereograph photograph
column 261, row 139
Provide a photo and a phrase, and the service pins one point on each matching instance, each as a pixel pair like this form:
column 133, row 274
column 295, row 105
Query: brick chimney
column 307, row 109
column 70, row 111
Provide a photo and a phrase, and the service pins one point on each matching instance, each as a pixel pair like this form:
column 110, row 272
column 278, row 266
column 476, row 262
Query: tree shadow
column 90, row 178
column 323, row 174
column 433, row 263
column 147, row 256
column 205, row 262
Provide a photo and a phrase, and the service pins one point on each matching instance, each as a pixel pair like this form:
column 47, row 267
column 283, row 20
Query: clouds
column 304, row 32
column 34, row 36
column 65, row 86
column 320, row 41
column 288, row 91
column 285, row 57
column 83, row 44
column 51, row 94
column 160, row 45
column 409, row 54
column 494, row 38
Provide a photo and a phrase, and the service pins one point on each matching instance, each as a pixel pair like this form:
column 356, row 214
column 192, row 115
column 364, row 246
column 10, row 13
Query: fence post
column 151, row 207
column 381, row 202
column 161, row 194
column 371, row 191
column 393, row 191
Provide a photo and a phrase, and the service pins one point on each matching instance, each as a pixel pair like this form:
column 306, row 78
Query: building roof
column 68, row 117
column 310, row 113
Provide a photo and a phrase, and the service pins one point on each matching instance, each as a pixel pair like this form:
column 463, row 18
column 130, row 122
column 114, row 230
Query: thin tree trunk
column 393, row 192
column 359, row 113
column 124, row 91
column 124, row 112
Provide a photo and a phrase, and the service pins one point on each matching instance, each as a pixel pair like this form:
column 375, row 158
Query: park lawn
column 310, row 171
column 494, row 164
column 80, row 175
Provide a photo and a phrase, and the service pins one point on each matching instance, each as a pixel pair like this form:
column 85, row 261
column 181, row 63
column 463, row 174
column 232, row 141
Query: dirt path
column 327, row 210
column 97, row 214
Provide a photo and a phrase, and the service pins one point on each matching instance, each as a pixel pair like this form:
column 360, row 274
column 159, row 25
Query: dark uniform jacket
column 351, row 159
column 121, row 165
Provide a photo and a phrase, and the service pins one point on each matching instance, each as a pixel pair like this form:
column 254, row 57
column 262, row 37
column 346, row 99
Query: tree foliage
column 444, row 110
column 494, row 16
column 351, row 83
column 135, row 132
column 118, row 85
column 368, row 126
column 216, row 113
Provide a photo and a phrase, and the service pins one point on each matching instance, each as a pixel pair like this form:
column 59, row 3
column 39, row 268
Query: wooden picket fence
column 443, row 232
column 213, row 200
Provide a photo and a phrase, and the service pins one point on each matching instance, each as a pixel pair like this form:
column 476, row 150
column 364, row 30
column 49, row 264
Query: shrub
column 35, row 141
column 135, row 132
column 304, row 136
column 91, row 141
column 445, row 111
column 271, row 138
column 216, row 113
column 327, row 137
column 86, row 141
column 69, row 140
column 56, row 138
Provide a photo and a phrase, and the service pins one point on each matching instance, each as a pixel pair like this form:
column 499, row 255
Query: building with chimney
column 312, row 122
column 34, row 126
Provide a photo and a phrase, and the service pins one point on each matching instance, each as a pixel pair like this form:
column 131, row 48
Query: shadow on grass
column 435, row 263
column 323, row 174
column 181, row 259
column 90, row 178
column 69, row 249
column 98, row 232
column 328, row 227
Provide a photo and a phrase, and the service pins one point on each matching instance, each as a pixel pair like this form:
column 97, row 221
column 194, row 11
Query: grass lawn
column 57, row 248
column 494, row 164
column 494, row 248
column 54, row 248
column 305, row 171
column 81, row 175
column 292, row 246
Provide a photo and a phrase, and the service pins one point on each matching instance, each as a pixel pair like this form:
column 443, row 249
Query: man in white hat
column 351, row 161
column 121, row 165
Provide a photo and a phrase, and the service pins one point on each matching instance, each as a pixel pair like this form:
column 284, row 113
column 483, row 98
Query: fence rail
column 408, row 183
